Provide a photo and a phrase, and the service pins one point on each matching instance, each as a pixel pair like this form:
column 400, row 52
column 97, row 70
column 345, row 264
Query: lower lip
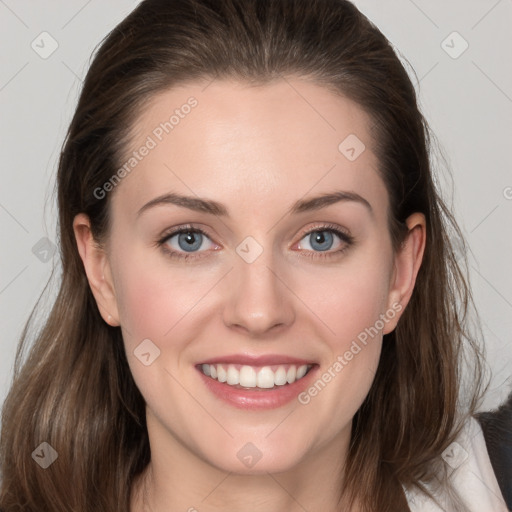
column 257, row 398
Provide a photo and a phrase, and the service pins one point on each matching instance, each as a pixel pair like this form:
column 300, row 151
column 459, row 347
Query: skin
column 256, row 150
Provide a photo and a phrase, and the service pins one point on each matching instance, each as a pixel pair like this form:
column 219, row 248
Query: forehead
column 250, row 145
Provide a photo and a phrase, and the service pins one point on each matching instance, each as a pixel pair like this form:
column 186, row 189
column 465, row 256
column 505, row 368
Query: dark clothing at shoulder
column 497, row 429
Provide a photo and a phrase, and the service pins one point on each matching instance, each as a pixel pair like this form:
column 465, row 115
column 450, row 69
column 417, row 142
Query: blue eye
column 320, row 240
column 186, row 239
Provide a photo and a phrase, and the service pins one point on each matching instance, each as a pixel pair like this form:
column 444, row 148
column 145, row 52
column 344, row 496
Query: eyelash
column 345, row 237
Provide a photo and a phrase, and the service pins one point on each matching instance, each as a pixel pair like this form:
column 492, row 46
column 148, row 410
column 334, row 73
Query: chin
column 249, row 460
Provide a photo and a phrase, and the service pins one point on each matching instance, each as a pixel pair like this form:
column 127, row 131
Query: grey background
column 467, row 101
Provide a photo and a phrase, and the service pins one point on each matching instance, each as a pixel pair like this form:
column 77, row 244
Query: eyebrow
column 214, row 208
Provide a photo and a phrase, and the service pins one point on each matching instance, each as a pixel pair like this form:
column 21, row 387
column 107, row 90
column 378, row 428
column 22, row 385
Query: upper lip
column 253, row 360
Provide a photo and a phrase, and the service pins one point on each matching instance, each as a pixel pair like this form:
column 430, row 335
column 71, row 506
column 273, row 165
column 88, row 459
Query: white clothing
column 471, row 474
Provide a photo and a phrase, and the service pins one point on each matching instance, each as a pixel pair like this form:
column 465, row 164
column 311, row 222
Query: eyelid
column 176, row 230
column 323, row 226
column 181, row 228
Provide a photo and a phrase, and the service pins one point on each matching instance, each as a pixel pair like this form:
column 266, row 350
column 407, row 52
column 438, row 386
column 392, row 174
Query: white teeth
column 265, row 378
column 222, row 375
column 280, row 376
column 301, row 371
column 250, row 377
column 291, row 374
column 233, row 375
column 247, row 377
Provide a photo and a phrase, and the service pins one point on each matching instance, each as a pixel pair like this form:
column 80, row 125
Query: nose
column 259, row 302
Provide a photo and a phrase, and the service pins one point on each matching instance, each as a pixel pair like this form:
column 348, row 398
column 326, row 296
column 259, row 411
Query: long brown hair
column 75, row 391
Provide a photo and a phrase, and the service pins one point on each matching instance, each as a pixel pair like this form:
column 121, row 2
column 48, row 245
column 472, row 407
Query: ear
column 407, row 264
column 97, row 268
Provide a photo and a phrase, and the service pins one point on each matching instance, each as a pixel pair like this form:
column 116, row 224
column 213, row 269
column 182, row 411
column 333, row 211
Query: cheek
column 157, row 301
column 351, row 298
column 347, row 372
column 153, row 297
column 351, row 303
column 142, row 301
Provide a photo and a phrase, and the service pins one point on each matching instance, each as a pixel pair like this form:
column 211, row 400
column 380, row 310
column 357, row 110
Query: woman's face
column 276, row 281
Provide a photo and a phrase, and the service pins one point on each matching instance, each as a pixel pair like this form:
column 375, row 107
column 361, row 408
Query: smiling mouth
column 255, row 377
